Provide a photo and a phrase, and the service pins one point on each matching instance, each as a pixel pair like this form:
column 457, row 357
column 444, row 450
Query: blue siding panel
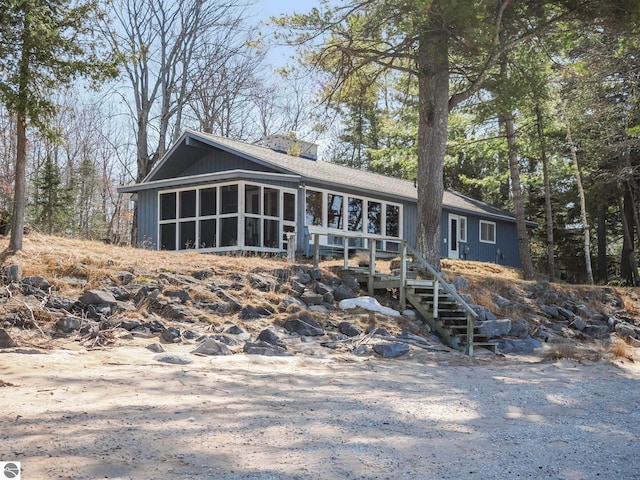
column 503, row 252
column 148, row 218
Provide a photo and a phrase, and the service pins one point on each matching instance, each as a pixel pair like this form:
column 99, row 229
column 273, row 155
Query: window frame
column 493, row 229
column 326, row 232
column 240, row 216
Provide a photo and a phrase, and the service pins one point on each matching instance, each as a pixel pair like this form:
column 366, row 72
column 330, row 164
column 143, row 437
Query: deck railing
column 404, row 252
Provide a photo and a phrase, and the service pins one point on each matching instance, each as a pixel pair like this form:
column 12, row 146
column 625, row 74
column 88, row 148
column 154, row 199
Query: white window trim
column 327, row 232
column 462, row 229
column 493, row 224
column 240, row 216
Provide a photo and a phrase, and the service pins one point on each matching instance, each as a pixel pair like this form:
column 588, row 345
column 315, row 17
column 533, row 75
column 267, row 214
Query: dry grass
column 621, row 349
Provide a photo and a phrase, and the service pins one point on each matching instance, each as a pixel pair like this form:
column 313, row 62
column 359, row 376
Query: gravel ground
column 119, row 414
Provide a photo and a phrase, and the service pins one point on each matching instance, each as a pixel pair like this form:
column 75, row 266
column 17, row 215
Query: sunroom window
column 227, row 217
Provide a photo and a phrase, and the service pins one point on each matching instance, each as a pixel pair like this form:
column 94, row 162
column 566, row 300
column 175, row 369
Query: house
column 214, row 194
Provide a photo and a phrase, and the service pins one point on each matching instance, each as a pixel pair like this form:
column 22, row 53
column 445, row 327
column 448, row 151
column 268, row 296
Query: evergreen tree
column 53, row 202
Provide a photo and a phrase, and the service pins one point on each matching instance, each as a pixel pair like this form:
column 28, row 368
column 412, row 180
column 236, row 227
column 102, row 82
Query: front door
column 454, row 241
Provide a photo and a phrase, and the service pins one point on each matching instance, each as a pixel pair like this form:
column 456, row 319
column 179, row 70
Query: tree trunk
column 433, row 88
column 583, row 203
column 518, row 201
column 628, row 264
column 603, row 270
column 551, row 264
column 20, row 188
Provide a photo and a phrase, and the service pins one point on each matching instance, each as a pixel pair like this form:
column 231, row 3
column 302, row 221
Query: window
column 462, row 229
column 487, row 232
column 231, row 216
column 330, row 211
column 334, row 211
column 314, row 208
column 355, row 214
column 393, row 221
column 374, row 217
column 229, row 199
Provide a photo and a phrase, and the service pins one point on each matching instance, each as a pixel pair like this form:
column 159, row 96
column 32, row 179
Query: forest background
column 552, row 124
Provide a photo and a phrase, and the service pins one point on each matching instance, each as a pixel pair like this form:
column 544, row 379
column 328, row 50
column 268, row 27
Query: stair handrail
column 447, row 287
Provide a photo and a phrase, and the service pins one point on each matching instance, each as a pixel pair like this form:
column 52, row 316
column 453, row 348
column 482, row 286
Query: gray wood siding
column 220, row 161
column 410, row 223
column 148, row 218
column 503, row 252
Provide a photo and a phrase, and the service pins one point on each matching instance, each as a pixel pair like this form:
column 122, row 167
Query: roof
column 325, row 173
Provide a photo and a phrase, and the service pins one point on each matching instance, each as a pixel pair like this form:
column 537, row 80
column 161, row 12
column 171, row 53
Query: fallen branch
column 33, row 318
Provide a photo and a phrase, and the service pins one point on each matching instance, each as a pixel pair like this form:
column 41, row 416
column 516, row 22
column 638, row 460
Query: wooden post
column 403, row 275
column 469, row 334
column 436, row 294
column 316, row 250
column 346, row 252
column 372, row 266
column 291, row 247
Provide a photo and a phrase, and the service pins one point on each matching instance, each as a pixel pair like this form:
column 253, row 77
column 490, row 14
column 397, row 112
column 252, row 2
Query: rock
column 297, row 288
column 352, row 283
column 551, row 311
column 264, row 283
column 5, row 340
column 232, row 341
column 349, row 329
column 174, row 358
column 120, row 294
column 303, row 278
column 171, row 335
column 265, row 348
column 501, row 302
column 321, row 288
column 625, row 329
column 484, row 313
column 316, row 274
column 343, row 292
column 124, row 277
column 391, row 350
column 406, row 335
column 155, row 347
column 566, row 314
column 495, row 328
column 410, row 314
column 328, row 298
column 383, row 332
column 98, row 297
column 269, row 336
column 304, row 325
column 517, row 329
column 177, row 293
column 518, row 346
column 239, row 333
column 203, row 274
column 13, row 273
column 362, row 350
column 578, row 323
column 460, row 283
column 68, row 324
column 250, row 312
column 282, row 274
column 311, row 298
column 212, row 347
column 600, row 332
column 319, row 309
column 36, row 282
column 61, row 303
column 129, row 323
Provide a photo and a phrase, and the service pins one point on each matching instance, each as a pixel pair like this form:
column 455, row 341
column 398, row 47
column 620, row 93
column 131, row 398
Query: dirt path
column 119, row 414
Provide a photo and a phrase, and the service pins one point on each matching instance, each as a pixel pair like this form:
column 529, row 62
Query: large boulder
column 391, row 350
column 304, row 325
column 212, row 347
column 5, row 340
column 495, row 328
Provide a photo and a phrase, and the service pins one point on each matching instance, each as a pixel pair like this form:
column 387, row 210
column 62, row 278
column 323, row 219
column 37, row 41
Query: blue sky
column 268, row 8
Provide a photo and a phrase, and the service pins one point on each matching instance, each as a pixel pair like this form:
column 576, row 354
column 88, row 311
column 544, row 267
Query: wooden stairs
column 438, row 302
column 445, row 314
